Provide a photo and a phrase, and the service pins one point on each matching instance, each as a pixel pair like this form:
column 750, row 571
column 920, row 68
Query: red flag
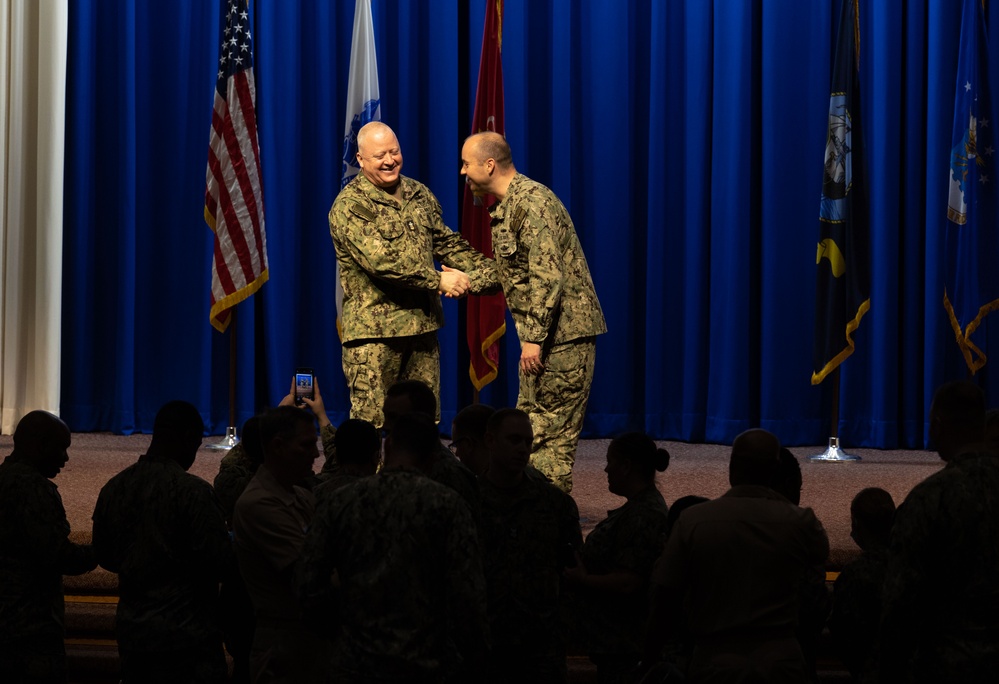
column 486, row 314
column 234, row 198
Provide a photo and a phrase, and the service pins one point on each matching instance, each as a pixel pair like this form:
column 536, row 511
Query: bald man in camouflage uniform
column 37, row 552
column 549, row 293
column 387, row 230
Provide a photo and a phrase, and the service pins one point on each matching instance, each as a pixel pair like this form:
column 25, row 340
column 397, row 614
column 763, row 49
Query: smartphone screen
column 304, row 381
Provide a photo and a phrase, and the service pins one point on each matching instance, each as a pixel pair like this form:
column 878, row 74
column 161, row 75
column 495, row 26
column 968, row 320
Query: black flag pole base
column 834, row 454
column 228, row 442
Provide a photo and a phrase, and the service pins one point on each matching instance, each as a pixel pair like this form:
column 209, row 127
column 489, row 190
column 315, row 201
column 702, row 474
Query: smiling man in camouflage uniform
column 387, row 230
column 549, row 293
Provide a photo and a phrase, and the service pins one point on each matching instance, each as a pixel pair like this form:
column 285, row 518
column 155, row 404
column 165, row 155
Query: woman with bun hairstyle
column 611, row 577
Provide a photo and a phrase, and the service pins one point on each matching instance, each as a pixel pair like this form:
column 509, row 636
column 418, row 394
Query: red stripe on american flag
column 246, row 90
column 231, row 138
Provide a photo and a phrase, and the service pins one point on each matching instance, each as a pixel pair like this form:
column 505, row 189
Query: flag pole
column 230, row 440
column 833, row 452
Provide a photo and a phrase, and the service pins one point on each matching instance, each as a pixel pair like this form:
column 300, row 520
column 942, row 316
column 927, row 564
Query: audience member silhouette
column 611, row 579
column 409, row 396
column 269, row 527
column 468, row 437
column 856, row 612
column 730, row 575
column 679, row 506
column 162, row 530
column 529, row 530
column 408, row 574
column 941, row 593
column 358, row 450
column 814, row 602
column 238, row 467
column 37, row 552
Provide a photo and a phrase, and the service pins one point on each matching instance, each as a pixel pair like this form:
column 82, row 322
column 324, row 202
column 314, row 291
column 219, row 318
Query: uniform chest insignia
column 362, row 211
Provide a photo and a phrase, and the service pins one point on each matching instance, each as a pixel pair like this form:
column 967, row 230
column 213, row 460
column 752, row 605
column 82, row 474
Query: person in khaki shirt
column 269, row 526
column 551, row 297
column 388, row 230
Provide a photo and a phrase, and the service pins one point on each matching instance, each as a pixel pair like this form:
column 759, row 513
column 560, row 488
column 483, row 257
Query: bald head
column 379, row 155
column 487, row 164
column 755, row 458
column 490, row 145
column 41, row 440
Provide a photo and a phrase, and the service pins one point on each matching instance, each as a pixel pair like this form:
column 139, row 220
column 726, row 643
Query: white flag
column 363, row 105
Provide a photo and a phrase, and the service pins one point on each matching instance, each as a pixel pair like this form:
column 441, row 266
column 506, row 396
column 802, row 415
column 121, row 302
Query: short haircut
column 282, row 422
column 960, row 404
column 472, row 420
column 493, row 146
column 356, row 440
column 875, row 509
column 679, row 506
column 176, row 424
column 252, row 446
column 496, row 421
column 416, row 434
column 421, row 397
column 641, row 450
column 787, row 479
column 755, row 458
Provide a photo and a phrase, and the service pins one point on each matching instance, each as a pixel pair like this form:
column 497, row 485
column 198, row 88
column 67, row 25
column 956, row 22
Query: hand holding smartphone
column 305, row 381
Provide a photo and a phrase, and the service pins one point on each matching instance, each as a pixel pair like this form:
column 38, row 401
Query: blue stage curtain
column 686, row 138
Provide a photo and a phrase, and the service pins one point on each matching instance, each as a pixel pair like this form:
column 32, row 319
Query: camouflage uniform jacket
column 527, row 533
column 34, row 536
column 632, row 538
column 386, row 250
column 940, row 616
column 412, row 593
column 162, row 530
column 542, row 267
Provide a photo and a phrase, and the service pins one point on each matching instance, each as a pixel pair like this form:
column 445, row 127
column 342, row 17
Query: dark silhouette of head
column 357, row 443
column 412, row 442
column 632, row 462
column 872, row 513
column 407, row 396
column 468, row 436
column 177, row 432
column 252, row 446
column 679, row 506
column 509, row 439
column 787, row 481
column 755, row 458
column 957, row 418
column 40, row 441
column 288, row 436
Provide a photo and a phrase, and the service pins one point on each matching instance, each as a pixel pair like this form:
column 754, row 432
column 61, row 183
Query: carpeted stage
column 694, row 469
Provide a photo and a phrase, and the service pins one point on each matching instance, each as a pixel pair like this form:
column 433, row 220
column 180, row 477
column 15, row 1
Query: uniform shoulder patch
column 362, row 211
column 517, row 220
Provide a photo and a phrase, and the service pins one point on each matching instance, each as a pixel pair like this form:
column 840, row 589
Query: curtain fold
column 33, row 39
column 685, row 137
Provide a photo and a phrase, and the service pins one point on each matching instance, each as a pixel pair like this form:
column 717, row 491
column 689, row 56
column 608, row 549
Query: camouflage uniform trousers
column 556, row 402
column 372, row 366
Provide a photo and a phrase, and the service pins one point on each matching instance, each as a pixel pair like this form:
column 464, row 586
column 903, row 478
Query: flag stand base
column 228, row 442
column 834, row 454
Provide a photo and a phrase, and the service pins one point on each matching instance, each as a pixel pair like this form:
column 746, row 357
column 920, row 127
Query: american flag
column 234, row 199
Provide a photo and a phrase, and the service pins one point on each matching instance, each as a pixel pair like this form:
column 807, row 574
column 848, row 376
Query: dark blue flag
column 842, row 258
column 970, row 288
